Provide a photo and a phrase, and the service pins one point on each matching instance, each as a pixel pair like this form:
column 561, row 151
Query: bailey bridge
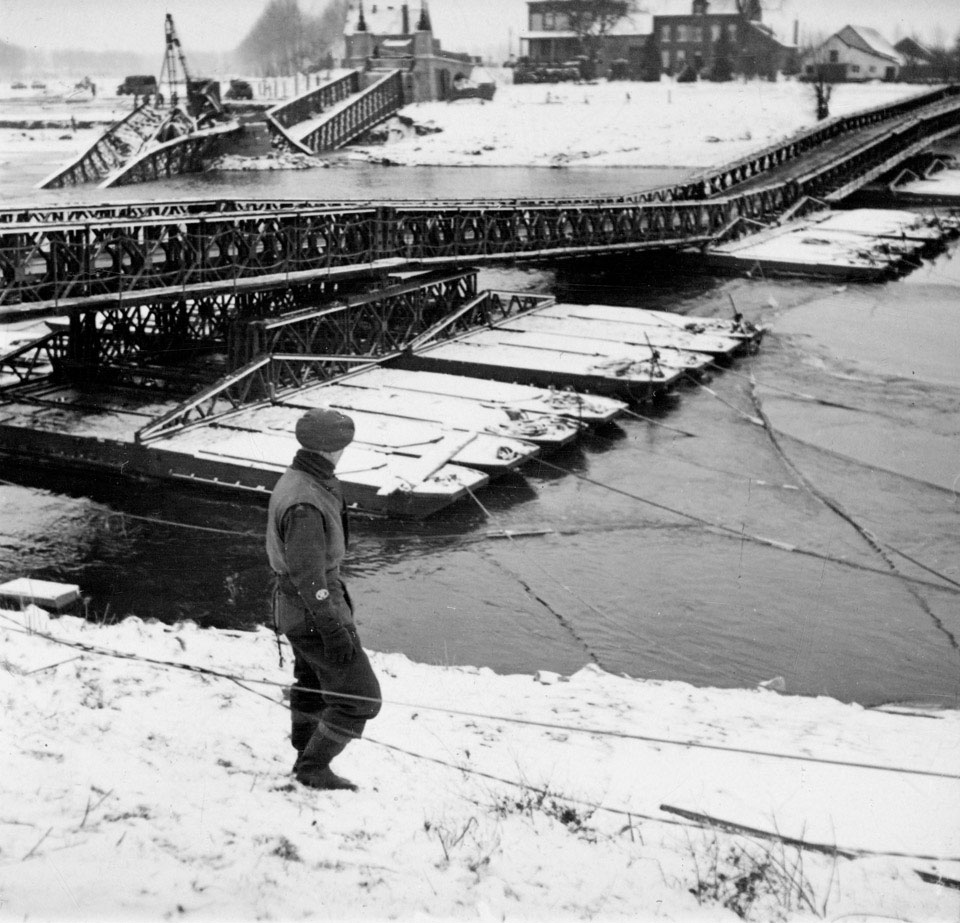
column 78, row 258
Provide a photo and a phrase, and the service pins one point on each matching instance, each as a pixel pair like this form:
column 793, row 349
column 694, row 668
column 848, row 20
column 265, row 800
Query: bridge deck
column 829, row 152
column 51, row 262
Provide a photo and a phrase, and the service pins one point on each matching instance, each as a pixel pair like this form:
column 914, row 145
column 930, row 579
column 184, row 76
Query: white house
column 854, row 53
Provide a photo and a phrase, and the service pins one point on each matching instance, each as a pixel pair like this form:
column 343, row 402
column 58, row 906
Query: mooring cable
column 565, row 623
column 867, row 466
column 682, row 459
column 464, row 713
column 718, row 528
column 742, row 413
column 691, row 819
column 861, row 530
column 800, row 395
column 739, row 534
column 603, row 616
column 651, row 420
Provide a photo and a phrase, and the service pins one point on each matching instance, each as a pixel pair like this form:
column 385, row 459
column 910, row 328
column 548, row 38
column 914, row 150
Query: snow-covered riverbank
column 618, row 124
column 136, row 791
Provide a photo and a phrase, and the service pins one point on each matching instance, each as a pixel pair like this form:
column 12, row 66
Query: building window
column 681, row 33
column 810, row 70
column 696, row 34
column 715, row 30
column 873, row 70
column 536, row 22
column 732, row 31
column 834, row 57
column 855, row 68
column 665, row 60
column 665, row 34
column 681, row 56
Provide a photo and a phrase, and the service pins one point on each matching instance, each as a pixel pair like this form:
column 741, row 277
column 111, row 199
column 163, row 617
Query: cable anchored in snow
column 464, row 713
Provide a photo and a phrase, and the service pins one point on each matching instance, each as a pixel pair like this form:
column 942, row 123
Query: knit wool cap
column 324, row 430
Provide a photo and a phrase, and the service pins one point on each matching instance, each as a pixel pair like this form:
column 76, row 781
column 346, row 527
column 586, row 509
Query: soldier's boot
column 313, row 766
column 300, row 736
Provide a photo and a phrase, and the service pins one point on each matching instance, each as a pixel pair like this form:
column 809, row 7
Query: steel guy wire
column 604, row 616
column 560, row 618
column 699, row 821
column 717, row 528
column 739, row 534
column 464, row 713
column 861, row 530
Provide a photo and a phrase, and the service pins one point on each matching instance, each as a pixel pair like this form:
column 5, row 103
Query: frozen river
column 619, row 567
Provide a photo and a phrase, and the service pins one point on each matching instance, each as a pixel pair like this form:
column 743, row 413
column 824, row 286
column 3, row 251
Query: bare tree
column 589, row 19
column 813, row 54
column 284, row 40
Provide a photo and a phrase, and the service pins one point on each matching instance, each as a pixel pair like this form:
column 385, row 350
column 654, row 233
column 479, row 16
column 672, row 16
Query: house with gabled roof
column 920, row 63
column 855, row 53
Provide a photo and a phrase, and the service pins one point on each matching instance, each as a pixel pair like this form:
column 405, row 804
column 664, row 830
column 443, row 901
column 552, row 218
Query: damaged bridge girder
column 44, row 262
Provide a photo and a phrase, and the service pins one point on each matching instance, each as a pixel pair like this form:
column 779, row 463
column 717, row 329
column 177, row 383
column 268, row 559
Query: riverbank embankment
column 155, row 758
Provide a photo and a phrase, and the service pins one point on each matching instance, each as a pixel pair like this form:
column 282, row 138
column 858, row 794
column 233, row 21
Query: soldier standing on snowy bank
column 307, row 534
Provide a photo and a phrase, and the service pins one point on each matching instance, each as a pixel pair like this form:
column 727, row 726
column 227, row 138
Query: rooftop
column 383, row 18
column 870, row 41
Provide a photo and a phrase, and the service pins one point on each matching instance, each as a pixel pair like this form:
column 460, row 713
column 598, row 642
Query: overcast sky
column 477, row 26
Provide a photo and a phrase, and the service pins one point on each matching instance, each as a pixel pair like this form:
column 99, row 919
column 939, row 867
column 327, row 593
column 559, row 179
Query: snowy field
column 620, row 124
column 145, row 792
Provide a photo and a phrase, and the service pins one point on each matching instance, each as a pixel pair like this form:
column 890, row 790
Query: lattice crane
column 199, row 98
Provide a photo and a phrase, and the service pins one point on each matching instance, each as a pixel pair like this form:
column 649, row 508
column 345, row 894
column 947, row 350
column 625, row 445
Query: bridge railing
column 490, row 233
column 724, row 177
column 312, row 103
column 374, row 324
column 318, row 344
column 108, row 211
column 55, row 262
column 247, row 385
column 365, row 109
column 47, row 262
column 183, row 154
column 98, row 159
column 33, row 360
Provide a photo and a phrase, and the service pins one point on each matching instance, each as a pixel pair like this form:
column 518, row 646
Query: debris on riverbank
column 280, row 160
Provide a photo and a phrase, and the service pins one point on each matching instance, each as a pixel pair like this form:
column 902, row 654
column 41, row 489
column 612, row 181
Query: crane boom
column 174, row 73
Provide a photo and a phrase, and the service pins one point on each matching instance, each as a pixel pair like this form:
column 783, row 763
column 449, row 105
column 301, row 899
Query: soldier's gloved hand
column 339, row 645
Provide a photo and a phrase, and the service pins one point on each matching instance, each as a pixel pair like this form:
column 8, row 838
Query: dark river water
column 612, row 557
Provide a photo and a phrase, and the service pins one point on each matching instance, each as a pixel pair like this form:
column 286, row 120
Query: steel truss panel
column 400, row 325
column 350, row 112
column 715, row 181
column 157, row 343
column 47, row 262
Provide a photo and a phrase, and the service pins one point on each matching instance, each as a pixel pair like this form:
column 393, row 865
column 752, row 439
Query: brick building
column 386, row 36
column 708, row 39
column 717, row 39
